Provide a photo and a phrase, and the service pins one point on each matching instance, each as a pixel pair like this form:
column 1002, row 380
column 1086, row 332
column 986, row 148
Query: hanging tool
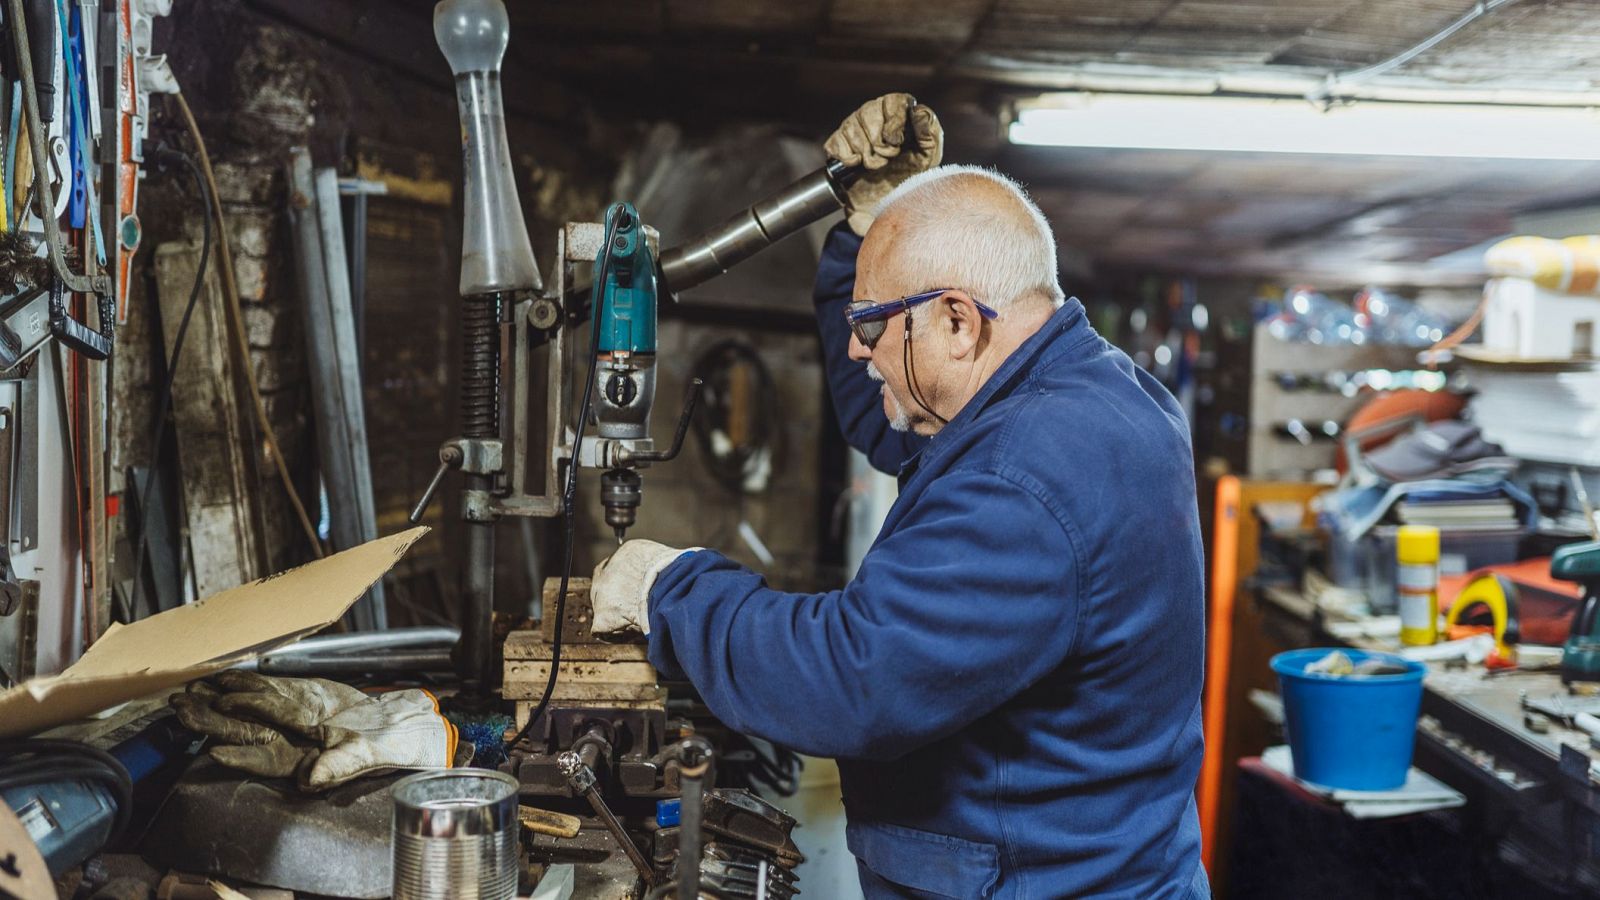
column 1580, row 655
column 35, row 54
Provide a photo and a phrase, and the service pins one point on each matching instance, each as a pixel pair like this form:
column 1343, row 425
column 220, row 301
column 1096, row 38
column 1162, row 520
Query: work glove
column 321, row 733
column 620, row 592
column 874, row 138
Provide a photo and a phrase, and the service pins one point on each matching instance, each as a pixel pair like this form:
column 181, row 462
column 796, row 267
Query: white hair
column 950, row 241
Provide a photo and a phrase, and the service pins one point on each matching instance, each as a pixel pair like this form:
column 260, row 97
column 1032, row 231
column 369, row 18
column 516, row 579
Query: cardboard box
column 209, row 635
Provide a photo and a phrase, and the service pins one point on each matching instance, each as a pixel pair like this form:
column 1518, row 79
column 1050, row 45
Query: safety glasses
column 868, row 320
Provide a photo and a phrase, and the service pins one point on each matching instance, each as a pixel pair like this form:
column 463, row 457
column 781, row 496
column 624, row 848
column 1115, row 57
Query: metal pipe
column 476, row 659
column 694, row 773
column 397, row 661
column 757, row 228
column 1478, row 11
column 369, row 641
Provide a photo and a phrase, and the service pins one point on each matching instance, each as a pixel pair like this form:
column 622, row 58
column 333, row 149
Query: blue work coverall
column 1011, row 684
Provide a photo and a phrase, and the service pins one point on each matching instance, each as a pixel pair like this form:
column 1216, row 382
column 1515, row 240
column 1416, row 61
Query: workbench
column 1533, row 794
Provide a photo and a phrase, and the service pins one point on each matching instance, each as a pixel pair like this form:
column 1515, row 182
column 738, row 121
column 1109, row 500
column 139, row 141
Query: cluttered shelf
column 1516, row 740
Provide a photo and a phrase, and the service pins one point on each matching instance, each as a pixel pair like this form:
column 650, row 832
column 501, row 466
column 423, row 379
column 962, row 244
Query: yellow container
column 1417, row 584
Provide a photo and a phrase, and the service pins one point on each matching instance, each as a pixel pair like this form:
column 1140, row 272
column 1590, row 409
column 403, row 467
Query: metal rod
column 344, row 408
column 581, row 778
column 695, row 386
column 371, row 640
column 476, row 660
column 399, row 660
column 694, row 772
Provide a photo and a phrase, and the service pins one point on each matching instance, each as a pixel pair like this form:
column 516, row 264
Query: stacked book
column 1490, row 514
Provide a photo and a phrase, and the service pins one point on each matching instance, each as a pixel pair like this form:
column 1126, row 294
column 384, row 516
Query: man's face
column 886, row 359
column 899, row 419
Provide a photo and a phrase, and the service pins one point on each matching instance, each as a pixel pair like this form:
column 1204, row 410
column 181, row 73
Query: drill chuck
column 621, row 490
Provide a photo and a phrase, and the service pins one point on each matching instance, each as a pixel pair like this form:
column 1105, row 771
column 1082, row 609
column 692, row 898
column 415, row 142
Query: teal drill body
column 627, row 312
column 1580, row 656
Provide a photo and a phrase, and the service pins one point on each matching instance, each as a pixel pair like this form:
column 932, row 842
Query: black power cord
column 32, row 762
column 166, row 156
column 615, row 217
column 719, row 367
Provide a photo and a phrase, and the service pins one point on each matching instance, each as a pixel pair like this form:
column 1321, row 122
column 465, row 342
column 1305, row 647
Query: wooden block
column 542, row 821
column 533, row 645
column 537, row 672
column 525, row 707
column 575, row 629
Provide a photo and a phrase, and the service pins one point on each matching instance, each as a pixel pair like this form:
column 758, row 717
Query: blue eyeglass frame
column 864, row 314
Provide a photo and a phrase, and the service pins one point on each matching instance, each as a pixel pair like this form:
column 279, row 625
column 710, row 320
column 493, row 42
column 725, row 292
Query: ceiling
column 807, row 62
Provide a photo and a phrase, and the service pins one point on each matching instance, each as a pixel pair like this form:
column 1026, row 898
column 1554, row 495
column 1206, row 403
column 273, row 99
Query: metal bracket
column 481, row 456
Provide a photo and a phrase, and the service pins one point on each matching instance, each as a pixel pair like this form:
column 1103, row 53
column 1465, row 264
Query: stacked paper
column 1548, row 416
column 1421, row 792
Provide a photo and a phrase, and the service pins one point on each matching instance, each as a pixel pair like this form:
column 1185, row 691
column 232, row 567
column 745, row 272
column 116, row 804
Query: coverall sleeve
column 966, row 604
column 856, row 398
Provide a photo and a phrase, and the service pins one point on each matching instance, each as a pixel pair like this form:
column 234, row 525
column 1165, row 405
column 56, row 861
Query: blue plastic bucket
column 1353, row 732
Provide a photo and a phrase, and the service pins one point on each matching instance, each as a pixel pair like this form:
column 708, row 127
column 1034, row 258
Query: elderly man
column 1011, row 682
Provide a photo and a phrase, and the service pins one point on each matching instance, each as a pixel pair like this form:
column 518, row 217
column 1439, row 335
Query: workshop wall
column 263, row 77
column 266, row 75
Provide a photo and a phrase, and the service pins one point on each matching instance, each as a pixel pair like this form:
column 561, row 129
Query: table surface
column 1472, row 717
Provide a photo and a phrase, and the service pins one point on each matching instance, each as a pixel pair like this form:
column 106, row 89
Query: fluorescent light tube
column 1294, row 125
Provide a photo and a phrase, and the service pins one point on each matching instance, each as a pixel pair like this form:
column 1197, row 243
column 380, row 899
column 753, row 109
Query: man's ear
column 959, row 316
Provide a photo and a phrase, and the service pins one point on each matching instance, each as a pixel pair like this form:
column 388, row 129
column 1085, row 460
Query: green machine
column 1580, row 656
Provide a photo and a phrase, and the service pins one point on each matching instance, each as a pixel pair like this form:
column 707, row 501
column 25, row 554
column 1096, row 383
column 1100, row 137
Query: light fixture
column 1294, row 125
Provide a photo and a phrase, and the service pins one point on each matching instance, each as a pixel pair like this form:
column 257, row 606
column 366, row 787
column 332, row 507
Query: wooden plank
column 217, row 466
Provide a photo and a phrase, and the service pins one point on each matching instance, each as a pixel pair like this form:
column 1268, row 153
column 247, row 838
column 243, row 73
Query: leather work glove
column 874, row 137
column 620, row 592
column 320, row 732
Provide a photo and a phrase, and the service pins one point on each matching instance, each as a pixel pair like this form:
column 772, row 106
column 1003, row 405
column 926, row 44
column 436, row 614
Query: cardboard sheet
column 203, row 637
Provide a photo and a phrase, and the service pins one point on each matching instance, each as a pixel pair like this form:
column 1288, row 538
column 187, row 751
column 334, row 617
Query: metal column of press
column 496, row 263
column 480, row 420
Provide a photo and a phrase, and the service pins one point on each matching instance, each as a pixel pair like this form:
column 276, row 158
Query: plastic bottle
column 1417, row 584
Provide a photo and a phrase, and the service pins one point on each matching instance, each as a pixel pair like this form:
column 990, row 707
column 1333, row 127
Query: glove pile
column 319, row 732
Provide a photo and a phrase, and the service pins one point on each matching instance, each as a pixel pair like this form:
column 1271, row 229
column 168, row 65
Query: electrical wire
column 908, row 363
column 729, row 459
column 230, row 288
column 164, row 402
column 26, row 763
column 570, row 492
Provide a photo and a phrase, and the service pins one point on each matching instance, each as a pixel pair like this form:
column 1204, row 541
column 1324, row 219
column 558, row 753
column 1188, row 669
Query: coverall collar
column 1043, row 343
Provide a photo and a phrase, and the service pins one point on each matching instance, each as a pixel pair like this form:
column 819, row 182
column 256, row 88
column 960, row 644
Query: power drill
column 1580, row 656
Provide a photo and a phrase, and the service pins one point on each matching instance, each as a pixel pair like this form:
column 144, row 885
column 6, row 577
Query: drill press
column 610, row 713
column 498, row 273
